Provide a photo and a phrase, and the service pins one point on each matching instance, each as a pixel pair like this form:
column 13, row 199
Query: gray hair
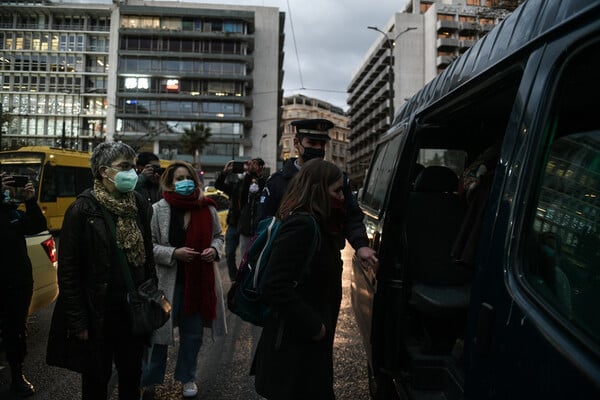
column 106, row 153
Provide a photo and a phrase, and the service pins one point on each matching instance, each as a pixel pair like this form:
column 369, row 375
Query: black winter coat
column 288, row 363
column 90, row 278
column 354, row 228
column 15, row 268
column 243, row 211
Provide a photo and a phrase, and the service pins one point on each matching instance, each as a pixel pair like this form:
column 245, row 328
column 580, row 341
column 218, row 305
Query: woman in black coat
column 91, row 327
column 294, row 357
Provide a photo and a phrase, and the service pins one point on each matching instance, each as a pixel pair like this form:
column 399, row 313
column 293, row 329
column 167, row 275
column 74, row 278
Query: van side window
column 380, row 175
column 562, row 262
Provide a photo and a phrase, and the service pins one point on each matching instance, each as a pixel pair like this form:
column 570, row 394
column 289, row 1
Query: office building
column 143, row 72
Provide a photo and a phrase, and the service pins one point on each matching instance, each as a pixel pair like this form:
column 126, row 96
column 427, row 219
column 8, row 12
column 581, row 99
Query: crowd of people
column 141, row 222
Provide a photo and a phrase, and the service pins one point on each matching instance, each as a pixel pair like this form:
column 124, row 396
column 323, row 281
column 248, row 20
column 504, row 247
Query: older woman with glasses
column 90, row 327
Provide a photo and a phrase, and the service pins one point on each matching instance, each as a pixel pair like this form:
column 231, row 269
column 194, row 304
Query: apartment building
column 416, row 44
column 144, row 72
column 302, row 107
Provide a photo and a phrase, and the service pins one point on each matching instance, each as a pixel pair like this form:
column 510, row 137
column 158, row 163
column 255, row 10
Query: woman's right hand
column 185, row 254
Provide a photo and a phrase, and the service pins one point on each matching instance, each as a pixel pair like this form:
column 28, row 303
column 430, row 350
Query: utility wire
column 318, row 90
column 295, row 45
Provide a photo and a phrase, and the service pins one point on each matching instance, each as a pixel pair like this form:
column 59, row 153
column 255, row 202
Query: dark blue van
column 483, row 202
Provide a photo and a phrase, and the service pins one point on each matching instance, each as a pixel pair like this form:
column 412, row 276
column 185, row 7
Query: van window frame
column 382, row 152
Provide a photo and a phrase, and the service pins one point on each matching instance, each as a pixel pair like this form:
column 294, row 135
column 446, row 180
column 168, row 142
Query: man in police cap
column 310, row 141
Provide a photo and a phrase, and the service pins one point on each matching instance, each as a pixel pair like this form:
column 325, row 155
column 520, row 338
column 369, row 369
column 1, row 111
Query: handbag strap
column 120, row 253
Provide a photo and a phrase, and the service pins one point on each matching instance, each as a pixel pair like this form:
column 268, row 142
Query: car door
column 534, row 331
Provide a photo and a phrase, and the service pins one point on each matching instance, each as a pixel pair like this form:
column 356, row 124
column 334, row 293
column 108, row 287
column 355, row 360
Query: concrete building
column 416, row 44
column 143, row 72
column 302, row 107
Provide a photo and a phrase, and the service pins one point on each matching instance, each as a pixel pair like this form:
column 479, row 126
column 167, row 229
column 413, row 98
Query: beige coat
column 166, row 268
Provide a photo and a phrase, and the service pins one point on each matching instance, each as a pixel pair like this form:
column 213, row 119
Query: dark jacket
column 243, row 204
column 354, row 229
column 15, row 268
column 149, row 190
column 231, row 185
column 288, row 364
column 90, row 278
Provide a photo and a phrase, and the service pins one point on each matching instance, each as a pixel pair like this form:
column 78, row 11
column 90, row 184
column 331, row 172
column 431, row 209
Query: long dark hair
column 307, row 191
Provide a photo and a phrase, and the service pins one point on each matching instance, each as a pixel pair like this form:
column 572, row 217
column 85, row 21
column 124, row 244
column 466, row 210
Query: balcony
column 447, row 44
column 444, row 61
column 468, row 28
column 444, row 25
column 465, row 45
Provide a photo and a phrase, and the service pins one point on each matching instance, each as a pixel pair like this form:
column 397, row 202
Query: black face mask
column 310, row 153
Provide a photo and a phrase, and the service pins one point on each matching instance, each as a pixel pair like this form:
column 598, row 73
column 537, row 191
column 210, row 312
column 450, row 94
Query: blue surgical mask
column 125, row 181
column 185, row 187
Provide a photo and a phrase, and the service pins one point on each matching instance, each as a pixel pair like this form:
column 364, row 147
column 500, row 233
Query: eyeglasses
column 124, row 166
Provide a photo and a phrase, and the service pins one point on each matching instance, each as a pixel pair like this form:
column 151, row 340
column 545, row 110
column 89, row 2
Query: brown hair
column 166, row 179
column 307, row 191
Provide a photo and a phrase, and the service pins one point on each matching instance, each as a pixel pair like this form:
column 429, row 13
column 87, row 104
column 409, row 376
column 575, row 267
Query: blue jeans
column 190, row 341
column 232, row 240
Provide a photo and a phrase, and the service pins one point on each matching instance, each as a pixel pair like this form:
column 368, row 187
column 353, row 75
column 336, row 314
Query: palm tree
column 194, row 139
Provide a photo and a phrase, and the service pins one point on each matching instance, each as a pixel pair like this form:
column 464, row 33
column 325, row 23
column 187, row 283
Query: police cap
column 316, row 129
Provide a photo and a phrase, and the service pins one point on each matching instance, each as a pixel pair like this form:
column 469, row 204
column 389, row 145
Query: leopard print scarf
column 129, row 236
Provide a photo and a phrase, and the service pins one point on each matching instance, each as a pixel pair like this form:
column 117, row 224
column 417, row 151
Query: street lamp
column 390, row 45
column 261, row 141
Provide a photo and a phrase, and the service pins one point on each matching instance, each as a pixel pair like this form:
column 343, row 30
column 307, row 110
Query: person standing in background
column 148, row 168
column 16, row 276
column 252, row 186
column 243, row 195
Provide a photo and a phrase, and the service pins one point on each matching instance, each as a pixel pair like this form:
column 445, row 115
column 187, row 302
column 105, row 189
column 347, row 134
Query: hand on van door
column 368, row 258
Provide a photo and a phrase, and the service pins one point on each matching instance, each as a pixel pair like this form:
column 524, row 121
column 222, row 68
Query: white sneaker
column 190, row 389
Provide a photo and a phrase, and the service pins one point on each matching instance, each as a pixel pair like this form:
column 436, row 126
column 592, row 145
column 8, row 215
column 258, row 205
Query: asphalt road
column 223, row 363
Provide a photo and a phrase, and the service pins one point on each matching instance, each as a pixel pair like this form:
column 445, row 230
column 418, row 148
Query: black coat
column 89, row 278
column 288, row 363
column 243, row 210
column 15, row 268
column 354, row 228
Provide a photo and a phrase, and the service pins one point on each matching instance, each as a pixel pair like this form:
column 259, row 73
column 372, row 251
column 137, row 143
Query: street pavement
column 223, row 363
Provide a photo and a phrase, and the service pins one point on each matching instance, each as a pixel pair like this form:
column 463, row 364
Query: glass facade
column 173, row 67
column 54, row 73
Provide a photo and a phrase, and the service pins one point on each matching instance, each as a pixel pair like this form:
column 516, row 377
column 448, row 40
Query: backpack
column 244, row 296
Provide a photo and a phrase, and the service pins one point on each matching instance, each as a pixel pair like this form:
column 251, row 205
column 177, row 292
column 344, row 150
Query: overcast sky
column 331, row 41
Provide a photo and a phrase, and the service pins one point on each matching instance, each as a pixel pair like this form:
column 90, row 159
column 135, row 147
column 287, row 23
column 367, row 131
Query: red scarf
column 199, row 294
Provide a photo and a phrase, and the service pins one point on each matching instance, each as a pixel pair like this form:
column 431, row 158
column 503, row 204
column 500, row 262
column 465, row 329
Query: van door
column 375, row 195
column 534, row 331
